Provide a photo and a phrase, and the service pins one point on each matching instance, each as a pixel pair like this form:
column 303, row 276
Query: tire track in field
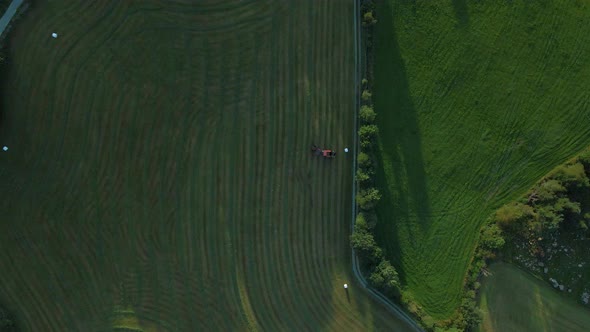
column 191, row 183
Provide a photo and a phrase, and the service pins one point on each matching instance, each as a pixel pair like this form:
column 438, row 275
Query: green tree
column 367, row 135
column 368, row 198
column 369, row 19
column 548, row 217
column 548, row 190
column 564, row 204
column 385, row 278
column 366, row 95
column 491, row 237
column 360, row 222
column 367, row 114
column 573, row 175
column 513, row 214
column 471, row 314
column 362, row 177
column 364, row 161
column 362, row 240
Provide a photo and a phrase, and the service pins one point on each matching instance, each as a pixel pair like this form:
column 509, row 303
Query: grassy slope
column 159, row 173
column 513, row 300
column 476, row 101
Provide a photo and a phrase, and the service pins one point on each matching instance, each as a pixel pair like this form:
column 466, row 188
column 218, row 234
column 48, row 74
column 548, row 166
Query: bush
column 573, row 176
column 491, row 237
column 584, row 158
column 364, row 243
column 471, row 314
column 366, row 95
column 367, row 135
column 548, row 190
column 369, row 19
column 364, row 161
column 385, row 278
column 362, row 177
column 362, row 240
column 367, row 199
column 367, row 114
column 512, row 214
column 364, row 82
column 360, row 222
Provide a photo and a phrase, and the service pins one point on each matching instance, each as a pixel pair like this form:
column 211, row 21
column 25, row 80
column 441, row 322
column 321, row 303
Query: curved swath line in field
column 278, row 216
column 245, row 24
column 298, row 47
column 253, row 198
column 230, row 9
column 69, row 92
column 289, row 207
column 329, row 203
column 311, row 218
column 246, row 138
column 327, row 169
column 280, row 114
column 264, row 147
column 186, row 227
column 225, row 179
column 314, row 214
column 225, row 203
column 243, row 296
column 296, row 258
column 277, row 263
column 238, row 220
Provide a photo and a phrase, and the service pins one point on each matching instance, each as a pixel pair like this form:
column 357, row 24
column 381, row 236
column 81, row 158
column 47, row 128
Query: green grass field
column 476, row 101
column 512, row 300
column 159, row 177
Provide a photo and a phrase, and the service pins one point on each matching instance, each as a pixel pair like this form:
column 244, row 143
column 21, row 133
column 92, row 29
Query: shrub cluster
column 557, row 203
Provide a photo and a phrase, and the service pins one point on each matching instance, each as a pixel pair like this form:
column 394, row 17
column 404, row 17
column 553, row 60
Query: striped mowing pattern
column 159, row 176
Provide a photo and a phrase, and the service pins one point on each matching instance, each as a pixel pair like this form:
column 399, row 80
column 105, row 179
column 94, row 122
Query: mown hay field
column 159, row 177
column 513, row 300
column 476, row 101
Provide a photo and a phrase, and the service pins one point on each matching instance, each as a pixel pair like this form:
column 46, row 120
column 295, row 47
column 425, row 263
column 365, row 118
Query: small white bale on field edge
column 54, row 35
column 345, row 149
column 5, row 148
column 345, row 286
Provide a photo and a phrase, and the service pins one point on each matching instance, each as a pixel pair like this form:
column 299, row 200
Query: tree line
column 381, row 273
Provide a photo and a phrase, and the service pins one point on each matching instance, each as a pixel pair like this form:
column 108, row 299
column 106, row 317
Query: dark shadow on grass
column 405, row 208
column 461, row 12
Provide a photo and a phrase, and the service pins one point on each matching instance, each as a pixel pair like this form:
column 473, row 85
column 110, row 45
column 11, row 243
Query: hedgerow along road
column 159, row 174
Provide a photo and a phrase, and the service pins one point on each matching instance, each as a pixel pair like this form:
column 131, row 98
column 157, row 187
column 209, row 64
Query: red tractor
column 322, row 152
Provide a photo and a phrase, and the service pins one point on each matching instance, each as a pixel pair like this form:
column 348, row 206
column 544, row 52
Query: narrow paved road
column 9, row 14
column 391, row 306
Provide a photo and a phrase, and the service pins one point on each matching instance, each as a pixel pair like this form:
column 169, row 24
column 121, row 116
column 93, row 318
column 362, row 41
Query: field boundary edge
column 390, row 305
